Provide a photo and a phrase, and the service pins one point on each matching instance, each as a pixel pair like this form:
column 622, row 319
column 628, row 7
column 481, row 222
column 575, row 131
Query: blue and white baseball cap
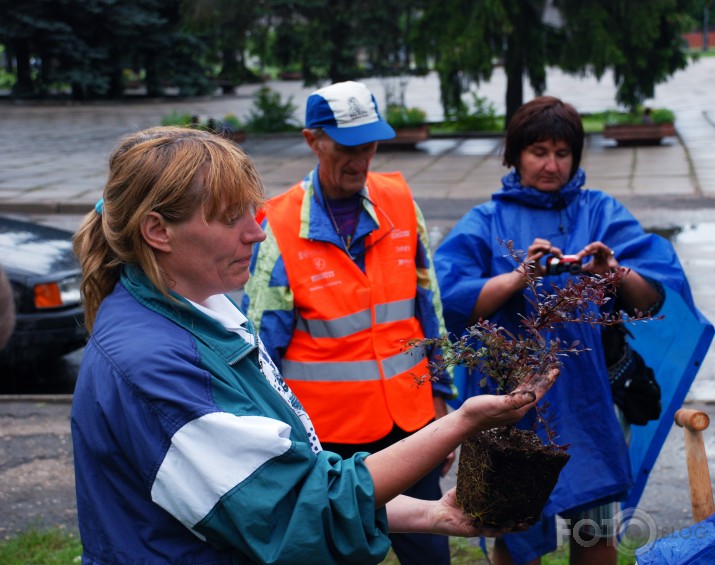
column 347, row 112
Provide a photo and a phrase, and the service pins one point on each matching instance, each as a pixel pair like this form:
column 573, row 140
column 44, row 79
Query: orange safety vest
column 347, row 362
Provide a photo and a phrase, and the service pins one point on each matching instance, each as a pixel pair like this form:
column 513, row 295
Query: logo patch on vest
column 325, row 275
column 319, row 263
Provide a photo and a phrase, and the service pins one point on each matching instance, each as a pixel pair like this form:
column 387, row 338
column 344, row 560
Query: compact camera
column 566, row 264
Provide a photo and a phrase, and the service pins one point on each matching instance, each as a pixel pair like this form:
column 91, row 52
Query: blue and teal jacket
column 184, row 453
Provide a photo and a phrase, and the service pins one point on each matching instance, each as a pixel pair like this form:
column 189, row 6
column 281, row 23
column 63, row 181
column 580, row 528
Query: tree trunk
column 9, row 56
column 116, row 81
column 153, row 88
column 342, row 61
column 514, row 66
column 23, row 85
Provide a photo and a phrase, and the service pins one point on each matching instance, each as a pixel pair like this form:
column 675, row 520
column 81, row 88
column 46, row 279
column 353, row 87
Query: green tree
column 465, row 39
column 23, row 23
column 386, row 36
column 88, row 43
column 640, row 40
column 341, row 39
column 99, row 39
column 322, row 37
column 226, row 25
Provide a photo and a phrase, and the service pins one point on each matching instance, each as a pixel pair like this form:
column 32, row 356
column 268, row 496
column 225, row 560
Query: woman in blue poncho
column 543, row 208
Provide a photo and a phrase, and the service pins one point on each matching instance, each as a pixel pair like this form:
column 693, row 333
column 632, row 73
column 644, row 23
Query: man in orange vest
column 343, row 280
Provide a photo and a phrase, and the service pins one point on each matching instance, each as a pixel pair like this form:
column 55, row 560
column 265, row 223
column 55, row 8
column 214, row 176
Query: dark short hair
column 544, row 117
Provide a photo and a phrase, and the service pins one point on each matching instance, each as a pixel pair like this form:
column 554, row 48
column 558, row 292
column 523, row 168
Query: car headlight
column 57, row 294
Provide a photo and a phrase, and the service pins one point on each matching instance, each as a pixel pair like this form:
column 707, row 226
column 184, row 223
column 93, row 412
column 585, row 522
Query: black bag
column 633, row 386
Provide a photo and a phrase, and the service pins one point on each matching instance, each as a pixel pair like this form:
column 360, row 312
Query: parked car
column 7, row 309
column 44, row 275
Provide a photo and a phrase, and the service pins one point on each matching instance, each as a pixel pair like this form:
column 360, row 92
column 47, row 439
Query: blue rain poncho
column 600, row 468
column 694, row 545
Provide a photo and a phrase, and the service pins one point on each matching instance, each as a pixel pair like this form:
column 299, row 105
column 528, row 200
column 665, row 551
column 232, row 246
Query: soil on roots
column 505, row 476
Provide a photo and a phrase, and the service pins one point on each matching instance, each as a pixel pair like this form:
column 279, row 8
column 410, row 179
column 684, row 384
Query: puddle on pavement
column 437, row 146
column 701, row 233
column 669, row 233
column 482, row 146
column 689, row 234
column 459, row 146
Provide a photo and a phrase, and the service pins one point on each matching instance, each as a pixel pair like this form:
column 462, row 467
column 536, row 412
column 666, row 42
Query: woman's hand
column 443, row 516
column 400, row 465
column 539, row 249
column 603, row 258
column 488, row 411
column 500, row 288
column 635, row 292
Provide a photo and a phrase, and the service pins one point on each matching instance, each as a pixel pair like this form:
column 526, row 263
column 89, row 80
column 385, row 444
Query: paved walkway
column 53, row 157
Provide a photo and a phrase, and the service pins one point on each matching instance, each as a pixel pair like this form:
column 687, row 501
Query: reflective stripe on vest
column 360, row 321
column 353, row 371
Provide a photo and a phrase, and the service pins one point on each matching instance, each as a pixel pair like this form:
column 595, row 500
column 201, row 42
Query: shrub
column 504, row 360
column 231, row 122
column 184, row 119
column 657, row 115
column 270, row 114
column 7, row 80
column 177, row 119
column 404, row 117
column 663, row 116
column 479, row 116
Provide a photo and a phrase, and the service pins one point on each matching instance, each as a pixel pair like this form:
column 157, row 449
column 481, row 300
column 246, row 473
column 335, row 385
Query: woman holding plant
column 189, row 447
column 544, row 209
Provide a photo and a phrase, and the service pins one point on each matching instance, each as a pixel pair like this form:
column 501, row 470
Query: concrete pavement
column 53, row 156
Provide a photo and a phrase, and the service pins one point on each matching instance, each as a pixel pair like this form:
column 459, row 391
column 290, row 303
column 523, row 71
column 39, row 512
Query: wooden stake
column 693, row 423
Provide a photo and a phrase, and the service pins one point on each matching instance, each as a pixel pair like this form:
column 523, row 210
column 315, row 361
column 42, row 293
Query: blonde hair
column 169, row 170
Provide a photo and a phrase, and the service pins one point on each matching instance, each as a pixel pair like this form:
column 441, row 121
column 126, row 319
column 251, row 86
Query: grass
column 694, row 53
column 464, row 553
column 447, row 128
column 41, row 547
column 56, row 547
column 592, row 123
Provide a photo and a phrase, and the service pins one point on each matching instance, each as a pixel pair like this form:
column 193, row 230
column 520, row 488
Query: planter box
column 291, row 75
column 638, row 134
column 406, row 138
column 237, row 136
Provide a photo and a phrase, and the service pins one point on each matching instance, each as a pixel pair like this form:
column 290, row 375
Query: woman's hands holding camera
column 603, row 258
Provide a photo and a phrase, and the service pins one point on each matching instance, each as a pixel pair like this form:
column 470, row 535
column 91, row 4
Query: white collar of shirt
column 225, row 312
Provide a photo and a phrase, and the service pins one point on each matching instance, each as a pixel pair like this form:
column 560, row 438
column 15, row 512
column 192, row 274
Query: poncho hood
column 513, row 191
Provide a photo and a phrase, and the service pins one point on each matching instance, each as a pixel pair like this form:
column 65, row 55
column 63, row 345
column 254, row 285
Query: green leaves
column 270, row 114
column 504, row 360
column 402, row 116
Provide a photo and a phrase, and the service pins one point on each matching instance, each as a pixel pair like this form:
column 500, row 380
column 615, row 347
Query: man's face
column 343, row 170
